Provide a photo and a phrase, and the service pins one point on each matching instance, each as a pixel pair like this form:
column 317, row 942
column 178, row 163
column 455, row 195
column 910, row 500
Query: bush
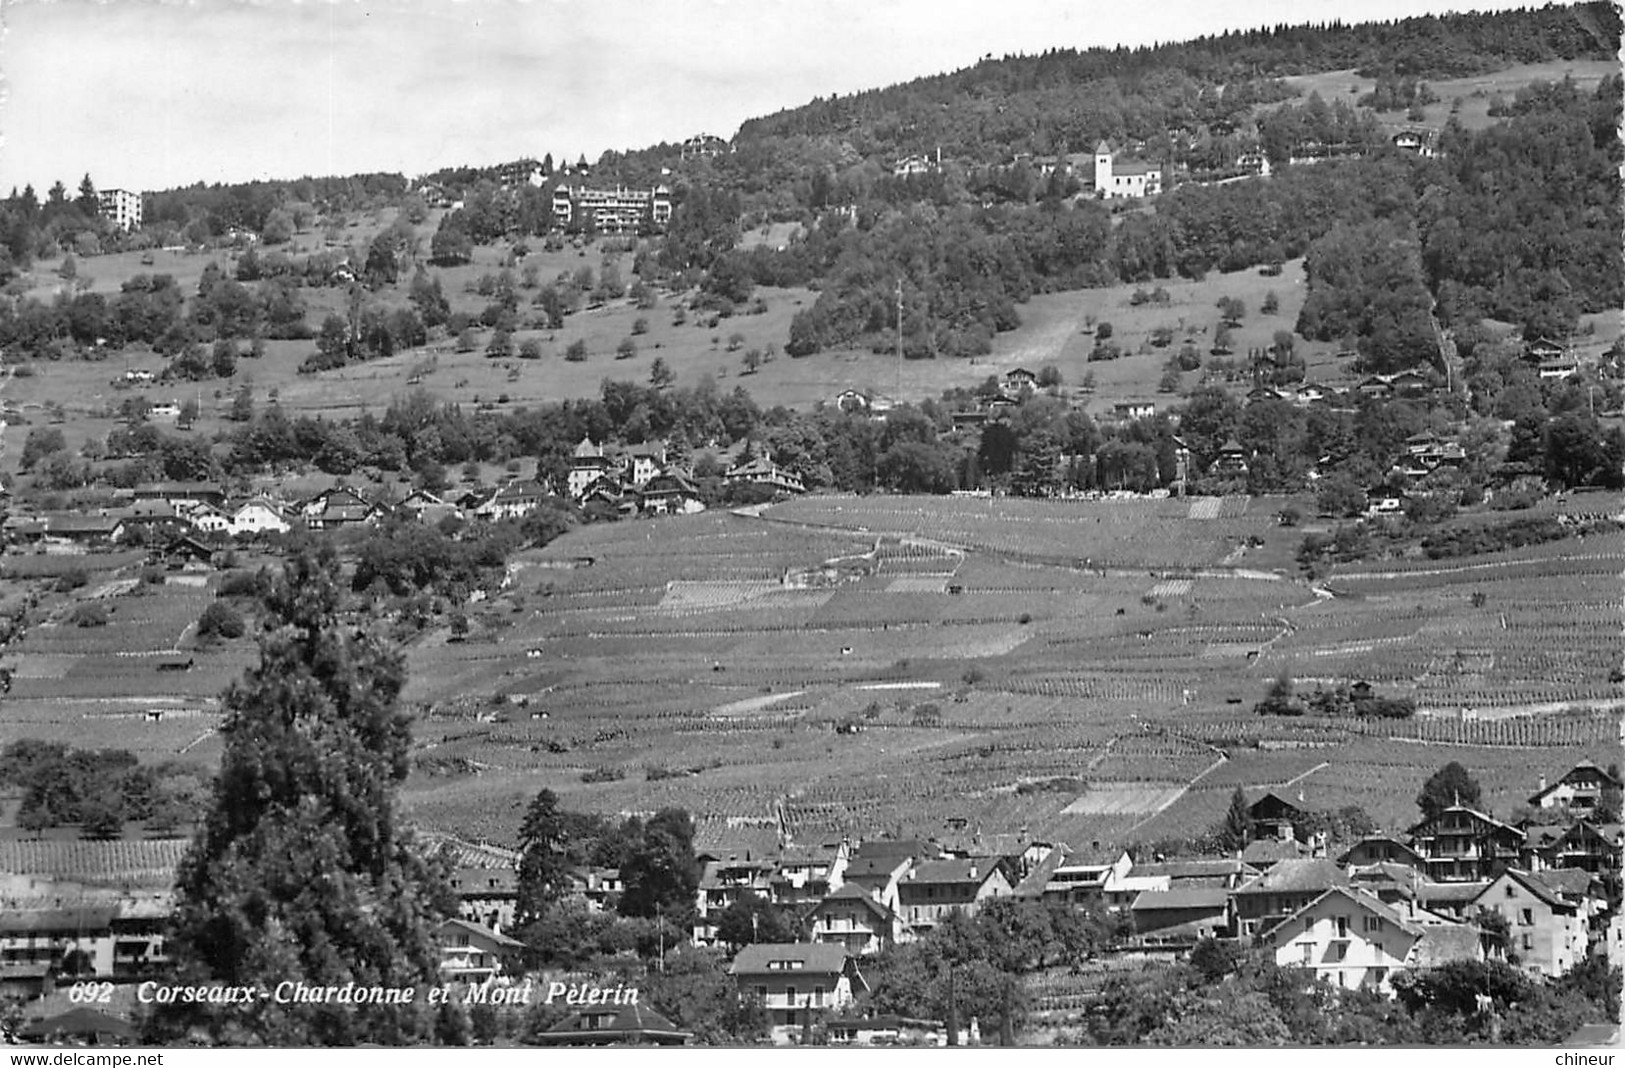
column 72, row 580
column 603, row 775
column 577, row 352
column 220, row 620
column 89, row 614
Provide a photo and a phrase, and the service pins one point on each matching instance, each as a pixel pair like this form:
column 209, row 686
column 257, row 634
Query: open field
column 1473, row 93
column 724, row 694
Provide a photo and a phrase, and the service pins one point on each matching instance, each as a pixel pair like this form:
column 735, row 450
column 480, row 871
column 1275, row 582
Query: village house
column 1581, row 789
column 487, row 896
column 514, row 501
column 1225, row 873
column 80, row 529
column 724, row 881
column 339, row 507
column 1181, row 915
column 1461, row 844
column 852, row 919
column 1353, row 941
column 670, row 493
column 1581, row 846
column 1381, row 849
column 1548, row 928
column 796, row 982
column 1082, row 877
column 890, row 1031
column 760, row 471
column 258, row 515
column 643, row 462
column 588, row 463
column 934, row 888
column 804, row 874
column 1288, row 886
column 428, row 508
column 1134, row 409
column 473, row 953
column 634, row 1024
column 179, row 494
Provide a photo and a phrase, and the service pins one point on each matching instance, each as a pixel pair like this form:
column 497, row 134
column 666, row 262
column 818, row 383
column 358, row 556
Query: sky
column 154, row 94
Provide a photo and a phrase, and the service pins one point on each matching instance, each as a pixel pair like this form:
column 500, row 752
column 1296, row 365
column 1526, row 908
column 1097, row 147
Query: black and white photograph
column 555, row 526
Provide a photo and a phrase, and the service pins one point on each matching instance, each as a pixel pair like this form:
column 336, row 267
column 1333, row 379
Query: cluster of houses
column 638, row 480
column 1460, row 885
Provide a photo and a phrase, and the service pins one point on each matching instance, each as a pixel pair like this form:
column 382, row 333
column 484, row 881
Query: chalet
column 669, row 493
column 1558, row 367
column 207, row 519
column 1461, row 844
column 1548, row 921
column 1274, row 817
column 852, row 919
column 1543, row 349
column 513, row 501
column 804, row 875
column 645, row 461
column 634, row 1024
column 797, row 982
column 487, row 896
column 1203, row 874
column 851, row 400
column 258, row 515
column 339, row 507
column 587, row 463
column 1020, row 380
column 178, row 492
column 188, row 552
column 426, row 507
column 1288, row 886
column 1352, row 940
column 1381, row 849
column 724, row 881
column 84, row 529
column 1583, row 788
column 888, row 1031
column 1134, row 409
column 1081, row 878
column 473, row 953
column 934, row 888
column 760, row 471
column 1231, row 461
column 1579, row 846
column 1181, row 915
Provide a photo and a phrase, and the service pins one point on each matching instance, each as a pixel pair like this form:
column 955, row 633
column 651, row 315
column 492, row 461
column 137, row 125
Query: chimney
column 973, row 871
column 1542, row 785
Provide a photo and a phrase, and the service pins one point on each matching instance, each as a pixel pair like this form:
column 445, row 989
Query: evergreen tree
column 545, row 859
column 300, row 872
column 1450, row 785
column 1233, row 834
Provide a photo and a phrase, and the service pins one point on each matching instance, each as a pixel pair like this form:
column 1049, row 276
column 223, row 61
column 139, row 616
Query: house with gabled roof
column 851, row 918
column 1582, row 846
column 1201, row 873
column 760, row 471
column 633, row 1024
column 1548, row 918
column 1082, row 876
column 258, row 515
column 473, row 953
column 1354, row 941
column 487, row 896
column 340, row 506
column 84, row 529
column 724, row 881
column 1461, row 843
column 515, row 500
column 1181, row 915
column 797, row 982
column 1381, row 849
column 804, row 874
column 1287, row 886
column 931, row 889
column 669, row 493
column 644, row 461
column 587, row 462
column 1582, row 788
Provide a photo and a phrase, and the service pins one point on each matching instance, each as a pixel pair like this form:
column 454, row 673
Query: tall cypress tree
column 300, row 872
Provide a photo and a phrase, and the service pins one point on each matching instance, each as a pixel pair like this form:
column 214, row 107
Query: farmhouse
column 670, row 493
column 338, row 507
column 84, row 529
column 180, row 494
column 1183, row 915
column 796, row 982
column 513, row 501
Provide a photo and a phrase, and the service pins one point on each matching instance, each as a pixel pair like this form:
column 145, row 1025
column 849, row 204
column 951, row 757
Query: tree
column 1450, row 785
column 1271, row 304
column 1232, row 309
column 301, row 871
column 752, row 919
column 660, row 373
column 220, row 620
column 544, row 859
column 660, row 873
column 1233, row 832
column 576, row 352
column 627, row 349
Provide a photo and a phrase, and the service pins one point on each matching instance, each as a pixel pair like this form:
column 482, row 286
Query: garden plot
column 1124, row 799
column 1171, row 588
column 918, row 584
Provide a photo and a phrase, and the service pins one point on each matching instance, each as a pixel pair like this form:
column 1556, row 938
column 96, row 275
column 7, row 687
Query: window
column 1308, row 953
column 1373, row 923
column 1512, row 891
column 818, row 996
column 1528, row 941
column 1527, row 917
column 1342, row 926
column 790, row 995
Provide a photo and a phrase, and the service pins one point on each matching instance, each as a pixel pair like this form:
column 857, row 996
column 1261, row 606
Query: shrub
column 603, row 775
column 72, row 580
column 89, row 614
column 577, row 352
column 220, row 620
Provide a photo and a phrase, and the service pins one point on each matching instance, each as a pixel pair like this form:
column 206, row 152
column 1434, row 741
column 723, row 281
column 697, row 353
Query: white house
column 1351, row 939
column 1124, row 178
column 257, row 516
